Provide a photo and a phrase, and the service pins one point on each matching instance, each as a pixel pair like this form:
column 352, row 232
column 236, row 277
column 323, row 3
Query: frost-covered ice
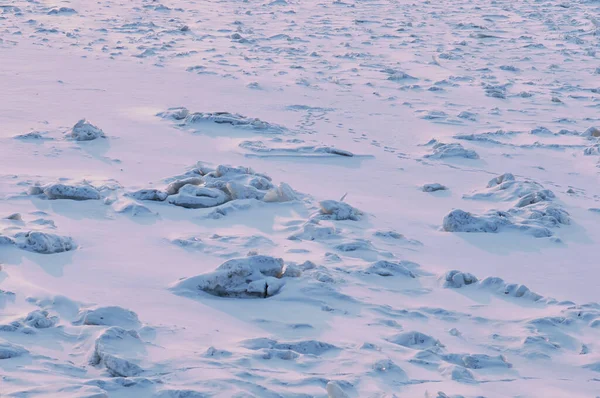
column 299, row 199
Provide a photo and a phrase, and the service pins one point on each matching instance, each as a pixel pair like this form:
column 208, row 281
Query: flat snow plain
column 299, row 199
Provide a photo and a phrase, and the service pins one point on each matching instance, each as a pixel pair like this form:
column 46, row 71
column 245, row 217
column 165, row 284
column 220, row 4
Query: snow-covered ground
column 299, row 199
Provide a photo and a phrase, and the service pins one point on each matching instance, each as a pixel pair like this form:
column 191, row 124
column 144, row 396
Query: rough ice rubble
column 533, row 210
column 185, row 118
column 109, row 348
column 304, row 347
column 85, row 131
column 193, row 197
column 453, row 150
column 456, row 279
column 203, row 188
column 253, row 276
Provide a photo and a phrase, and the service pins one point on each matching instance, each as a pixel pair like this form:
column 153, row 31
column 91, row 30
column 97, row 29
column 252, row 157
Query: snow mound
column 8, row 350
column 131, row 208
column 73, row 192
column 62, row 11
column 415, row 340
column 109, row 316
column 456, row 280
column 40, row 319
column 109, row 347
column 85, row 131
column 185, row 118
column 149, row 194
column 454, row 150
column 388, row 268
column 44, row 243
column 334, row 210
column 254, row 276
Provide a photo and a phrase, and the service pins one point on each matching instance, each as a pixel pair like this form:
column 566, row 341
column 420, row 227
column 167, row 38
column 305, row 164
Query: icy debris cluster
column 185, row 118
column 108, row 316
column 434, row 187
column 204, row 188
column 533, row 211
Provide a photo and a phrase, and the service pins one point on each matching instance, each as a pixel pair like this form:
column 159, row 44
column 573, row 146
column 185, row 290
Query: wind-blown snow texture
column 299, row 199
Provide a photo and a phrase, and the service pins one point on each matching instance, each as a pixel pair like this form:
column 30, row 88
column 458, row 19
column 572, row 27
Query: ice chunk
column 85, row 131
column 282, row 193
column 434, row 187
column 109, row 347
column 40, row 319
column 193, row 197
column 456, row 279
column 388, row 268
column 335, row 391
column 109, row 316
